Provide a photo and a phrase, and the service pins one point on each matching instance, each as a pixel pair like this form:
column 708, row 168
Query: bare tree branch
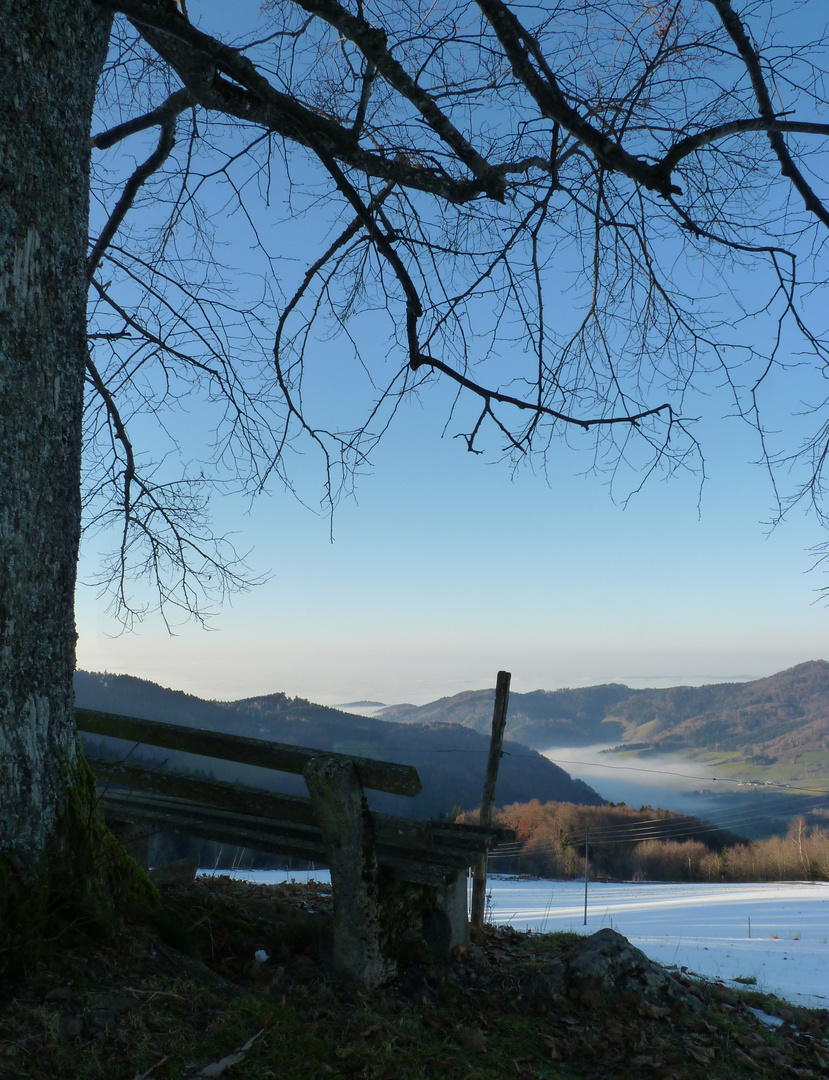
column 751, row 59
column 561, row 214
column 174, row 105
column 153, row 163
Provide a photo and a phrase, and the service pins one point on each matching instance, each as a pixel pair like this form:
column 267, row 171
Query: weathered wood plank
column 376, row 775
column 395, row 839
column 501, row 833
column 283, row 838
column 300, row 847
column 442, row 838
column 401, row 866
column 237, row 799
column 499, row 723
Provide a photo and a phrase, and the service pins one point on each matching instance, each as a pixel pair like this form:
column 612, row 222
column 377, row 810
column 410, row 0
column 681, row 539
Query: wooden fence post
column 499, row 723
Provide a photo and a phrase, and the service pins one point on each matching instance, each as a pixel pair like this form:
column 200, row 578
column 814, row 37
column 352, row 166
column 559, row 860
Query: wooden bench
column 366, row 851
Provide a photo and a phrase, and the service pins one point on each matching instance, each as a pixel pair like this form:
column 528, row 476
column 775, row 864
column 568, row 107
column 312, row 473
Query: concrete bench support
column 447, row 925
column 343, row 817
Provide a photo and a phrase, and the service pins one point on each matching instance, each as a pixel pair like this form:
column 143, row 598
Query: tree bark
column 51, row 57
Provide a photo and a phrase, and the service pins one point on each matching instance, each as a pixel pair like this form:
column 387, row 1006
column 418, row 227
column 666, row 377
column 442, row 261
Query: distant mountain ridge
column 541, row 718
column 781, row 717
column 450, row 759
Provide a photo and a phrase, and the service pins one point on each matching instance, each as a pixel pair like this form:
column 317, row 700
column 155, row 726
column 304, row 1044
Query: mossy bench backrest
column 375, row 775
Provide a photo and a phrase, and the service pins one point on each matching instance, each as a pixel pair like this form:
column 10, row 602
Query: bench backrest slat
column 373, row 774
column 239, row 799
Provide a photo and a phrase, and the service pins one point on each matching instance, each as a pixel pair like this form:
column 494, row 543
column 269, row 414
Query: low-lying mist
column 660, row 780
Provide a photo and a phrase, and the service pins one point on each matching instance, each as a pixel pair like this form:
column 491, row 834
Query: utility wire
column 693, row 776
column 650, row 828
column 794, row 786
column 724, row 821
column 637, row 832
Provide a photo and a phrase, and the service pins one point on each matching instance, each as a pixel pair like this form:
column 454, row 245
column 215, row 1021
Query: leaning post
column 499, row 723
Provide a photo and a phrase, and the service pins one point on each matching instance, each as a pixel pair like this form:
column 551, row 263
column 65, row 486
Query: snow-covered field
column 777, row 934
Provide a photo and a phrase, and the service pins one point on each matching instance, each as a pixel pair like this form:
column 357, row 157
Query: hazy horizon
column 634, row 682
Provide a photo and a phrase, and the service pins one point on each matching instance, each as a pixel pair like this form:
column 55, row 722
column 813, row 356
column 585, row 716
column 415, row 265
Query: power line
column 638, row 832
column 794, row 786
column 693, row 776
column 747, row 816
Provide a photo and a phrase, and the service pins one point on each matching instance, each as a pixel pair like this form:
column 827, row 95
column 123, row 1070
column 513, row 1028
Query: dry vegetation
column 183, row 997
column 679, row 848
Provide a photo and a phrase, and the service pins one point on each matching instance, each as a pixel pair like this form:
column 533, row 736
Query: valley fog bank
column 652, row 781
column 747, row 810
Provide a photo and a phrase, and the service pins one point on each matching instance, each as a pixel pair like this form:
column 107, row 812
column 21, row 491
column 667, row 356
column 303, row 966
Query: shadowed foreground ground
column 186, row 997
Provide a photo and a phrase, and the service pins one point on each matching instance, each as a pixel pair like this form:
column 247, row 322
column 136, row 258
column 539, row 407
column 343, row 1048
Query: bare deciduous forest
column 654, row 845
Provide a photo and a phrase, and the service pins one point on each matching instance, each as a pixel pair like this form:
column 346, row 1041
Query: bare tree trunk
column 51, row 56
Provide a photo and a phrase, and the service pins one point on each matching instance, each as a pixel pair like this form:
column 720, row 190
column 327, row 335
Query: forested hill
column 780, row 716
column 450, row 759
column 542, row 718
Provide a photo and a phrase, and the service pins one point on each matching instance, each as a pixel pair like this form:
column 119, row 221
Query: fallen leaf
column 655, row 1012
column 551, row 1045
column 776, row 1058
column 702, row 1027
column 216, row 1068
column 152, row 1068
column 740, row 1056
column 471, row 1039
column 702, row 1054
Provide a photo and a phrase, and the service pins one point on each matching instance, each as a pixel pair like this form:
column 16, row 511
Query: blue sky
column 447, row 567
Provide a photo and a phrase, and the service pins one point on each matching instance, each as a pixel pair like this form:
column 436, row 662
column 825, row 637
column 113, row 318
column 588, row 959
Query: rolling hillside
column 781, row 717
column 541, row 718
column 772, row 729
column 450, row 758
